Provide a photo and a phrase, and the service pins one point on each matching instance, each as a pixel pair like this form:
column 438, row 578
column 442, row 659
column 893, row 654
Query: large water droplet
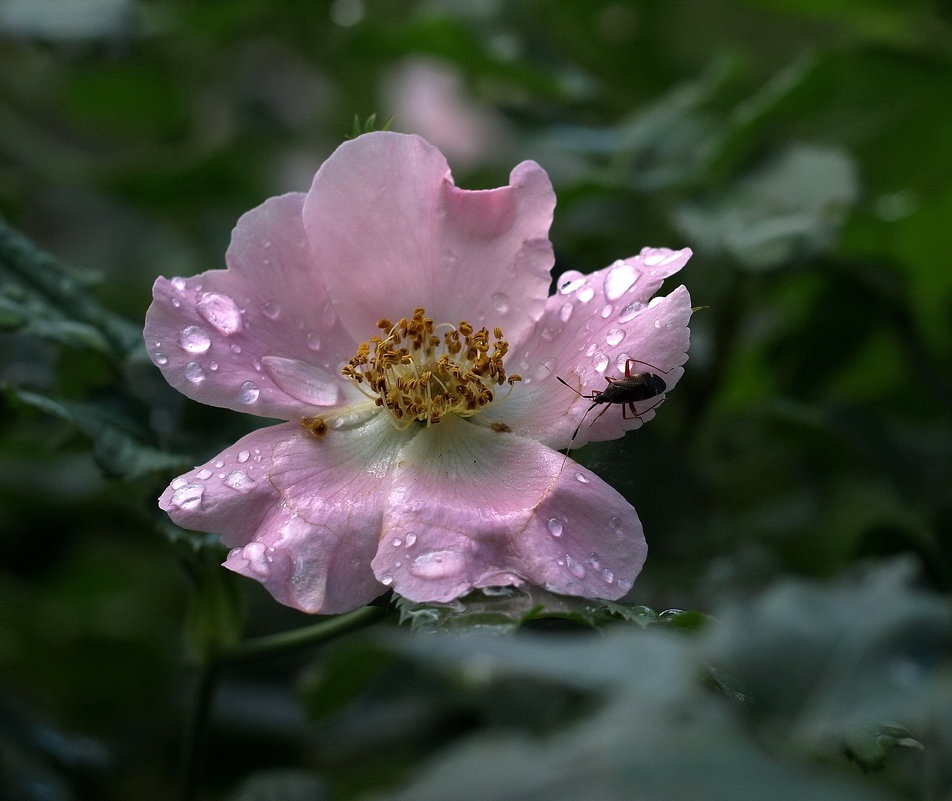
column 653, row 257
column 555, row 526
column 438, row 564
column 411, row 538
column 574, row 566
column 630, row 311
column 248, row 393
column 569, row 281
column 306, row 382
column 194, row 372
column 243, row 457
column 618, row 279
column 240, row 480
column 601, row 362
column 500, row 301
column 221, row 312
column 585, row 294
column 195, row 339
column 188, row 496
column 614, row 336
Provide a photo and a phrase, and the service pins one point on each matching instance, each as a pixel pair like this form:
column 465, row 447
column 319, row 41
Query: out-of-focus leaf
column 119, row 452
column 281, row 785
column 59, row 21
column 39, row 297
column 215, row 617
column 789, row 208
column 821, row 664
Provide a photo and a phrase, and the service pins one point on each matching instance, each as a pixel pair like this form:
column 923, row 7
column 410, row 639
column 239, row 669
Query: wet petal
column 584, row 338
column 212, row 335
column 383, row 209
column 470, row 507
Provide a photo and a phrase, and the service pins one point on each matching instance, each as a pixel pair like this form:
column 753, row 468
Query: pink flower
column 402, row 328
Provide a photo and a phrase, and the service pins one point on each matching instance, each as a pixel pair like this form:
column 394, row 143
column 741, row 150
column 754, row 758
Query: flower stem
column 260, row 647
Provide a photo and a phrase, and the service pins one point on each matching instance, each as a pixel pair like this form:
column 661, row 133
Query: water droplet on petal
column 236, row 349
column 630, row 311
column 313, row 341
column 614, row 336
column 625, row 584
column 221, row 312
column 194, row 372
column 243, row 457
column 500, row 301
column 574, row 566
column 271, row 310
column 618, row 279
column 386, row 580
column 608, row 576
column 606, row 311
column 240, row 480
column 411, row 538
column 195, row 339
column 204, row 473
column 653, row 257
column 601, row 363
column 566, row 311
column 438, row 564
column 248, row 393
column 555, row 526
column 585, row 294
column 593, row 561
column 213, row 366
column 614, row 524
column 569, row 281
column 396, row 542
column 665, row 323
column 178, row 283
column 582, row 478
column 188, row 496
column 160, row 358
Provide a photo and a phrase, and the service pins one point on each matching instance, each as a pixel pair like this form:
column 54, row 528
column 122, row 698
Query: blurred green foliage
column 800, row 148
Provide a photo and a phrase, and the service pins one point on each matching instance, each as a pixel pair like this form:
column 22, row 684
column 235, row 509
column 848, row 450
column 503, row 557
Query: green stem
column 197, row 728
column 274, row 644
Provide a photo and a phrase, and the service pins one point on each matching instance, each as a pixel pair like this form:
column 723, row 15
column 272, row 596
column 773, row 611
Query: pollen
column 421, row 372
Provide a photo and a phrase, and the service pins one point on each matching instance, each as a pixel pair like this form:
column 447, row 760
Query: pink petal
column 587, row 333
column 391, row 233
column 470, row 507
column 332, row 491
column 302, row 514
column 259, row 337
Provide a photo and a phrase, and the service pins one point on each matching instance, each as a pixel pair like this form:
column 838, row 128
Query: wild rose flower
column 401, row 326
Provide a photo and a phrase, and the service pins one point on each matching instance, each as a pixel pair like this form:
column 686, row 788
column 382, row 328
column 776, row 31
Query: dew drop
column 195, row 339
column 188, row 496
column 194, row 372
column 590, row 350
column 614, row 336
column 566, row 311
column 630, row 311
column 618, row 280
column 582, row 478
column 548, row 333
column 204, row 473
column 593, row 561
column 271, row 310
column 411, row 538
column 178, row 283
column 240, row 480
column 220, row 463
column 601, row 363
column 614, row 524
column 396, row 542
column 313, row 340
column 608, row 576
column 213, row 366
column 606, row 311
column 438, row 564
column 569, row 281
column 248, row 393
column 575, row 567
column 653, row 257
column 500, row 301
column 662, row 323
column 555, row 526
column 386, row 580
column 178, row 482
column 176, row 303
column 625, row 584
column 160, row 358
column 585, row 294
column 221, row 312
column 236, row 349
column 243, row 457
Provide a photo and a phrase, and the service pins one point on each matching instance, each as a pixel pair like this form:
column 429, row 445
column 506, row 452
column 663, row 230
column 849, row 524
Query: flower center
column 419, row 371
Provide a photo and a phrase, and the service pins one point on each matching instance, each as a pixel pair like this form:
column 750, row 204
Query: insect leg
column 629, row 362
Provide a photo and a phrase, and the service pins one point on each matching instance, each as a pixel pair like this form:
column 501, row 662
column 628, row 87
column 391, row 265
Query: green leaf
column 117, row 449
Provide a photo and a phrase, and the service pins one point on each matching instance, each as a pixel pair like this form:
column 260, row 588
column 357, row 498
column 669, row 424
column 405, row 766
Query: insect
column 626, row 391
